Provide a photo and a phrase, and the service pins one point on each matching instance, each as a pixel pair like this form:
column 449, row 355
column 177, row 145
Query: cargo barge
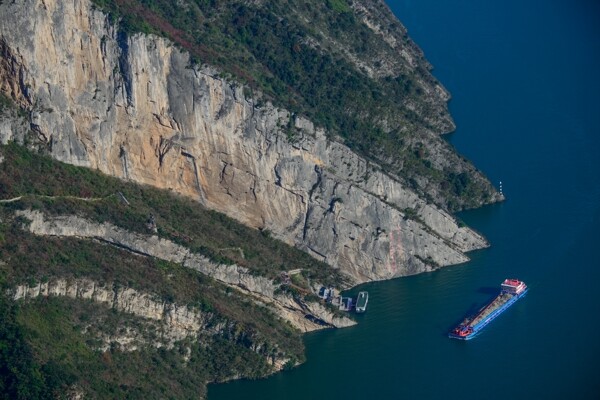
column 511, row 290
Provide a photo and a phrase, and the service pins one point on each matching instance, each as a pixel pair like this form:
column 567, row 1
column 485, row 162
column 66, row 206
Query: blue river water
column 525, row 81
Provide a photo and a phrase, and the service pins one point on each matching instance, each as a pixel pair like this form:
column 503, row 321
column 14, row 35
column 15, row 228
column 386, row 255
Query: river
column 525, row 81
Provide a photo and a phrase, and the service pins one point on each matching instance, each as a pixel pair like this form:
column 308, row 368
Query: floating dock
column 361, row 302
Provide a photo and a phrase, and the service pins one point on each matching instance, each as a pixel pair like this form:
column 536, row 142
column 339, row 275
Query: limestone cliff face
column 165, row 323
column 178, row 322
column 134, row 107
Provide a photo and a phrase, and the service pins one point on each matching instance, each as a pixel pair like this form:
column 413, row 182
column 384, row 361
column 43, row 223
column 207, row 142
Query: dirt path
column 56, row 197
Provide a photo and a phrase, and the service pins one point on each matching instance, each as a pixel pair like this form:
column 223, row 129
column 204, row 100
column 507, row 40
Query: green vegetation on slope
column 48, row 345
column 44, row 354
column 268, row 48
column 45, row 349
column 21, row 376
column 182, row 220
column 304, row 56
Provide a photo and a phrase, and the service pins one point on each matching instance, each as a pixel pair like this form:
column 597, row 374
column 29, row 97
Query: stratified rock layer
column 303, row 315
column 165, row 323
column 179, row 321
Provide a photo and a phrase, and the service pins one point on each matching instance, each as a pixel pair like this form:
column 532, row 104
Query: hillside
column 348, row 66
column 140, row 108
column 91, row 309
column 177, row 180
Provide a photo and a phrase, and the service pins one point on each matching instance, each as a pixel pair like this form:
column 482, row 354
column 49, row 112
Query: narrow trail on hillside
column 11, row 200
column 91, row 199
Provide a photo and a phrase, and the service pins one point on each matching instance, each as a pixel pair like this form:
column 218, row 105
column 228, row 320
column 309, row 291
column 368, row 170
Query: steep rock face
column 133, row 107
column 305, row 316
column 179, row 322
column 13, row 127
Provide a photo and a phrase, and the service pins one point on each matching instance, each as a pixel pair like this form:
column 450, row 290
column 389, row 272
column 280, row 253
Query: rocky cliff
column 176, row 322
column 164, row 323
column 119, row 313
column 134, row 106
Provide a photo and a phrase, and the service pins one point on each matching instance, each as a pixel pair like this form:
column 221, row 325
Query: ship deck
column 361, row 301
column 500, row 300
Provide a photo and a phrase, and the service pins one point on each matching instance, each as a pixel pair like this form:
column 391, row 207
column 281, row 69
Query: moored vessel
column 511, row 290
column 361, row 302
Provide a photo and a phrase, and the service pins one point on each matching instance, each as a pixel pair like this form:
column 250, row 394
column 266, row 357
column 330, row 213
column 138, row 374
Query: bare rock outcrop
column 177, row 321
column 166, row 323
column 134, row 107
